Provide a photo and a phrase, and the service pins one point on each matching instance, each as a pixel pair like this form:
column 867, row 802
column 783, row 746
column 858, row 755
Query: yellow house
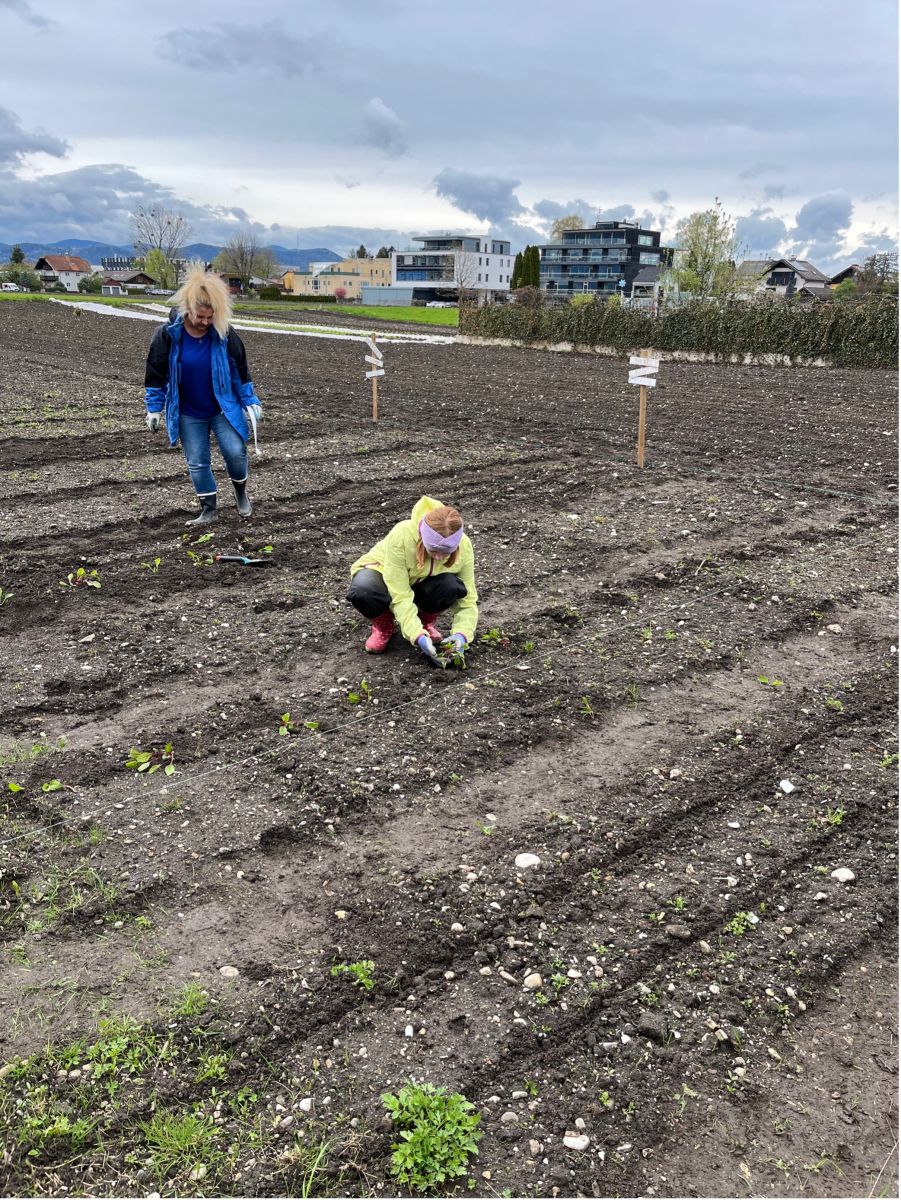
column 350, row 274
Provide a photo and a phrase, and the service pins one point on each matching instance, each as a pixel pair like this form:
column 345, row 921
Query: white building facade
column 447, row 264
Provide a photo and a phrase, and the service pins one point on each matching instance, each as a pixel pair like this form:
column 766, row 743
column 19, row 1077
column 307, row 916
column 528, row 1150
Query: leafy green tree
column 879, row 274
column 362, row 252
column 17, row 255
column 91, row 284
column 535, row 268
column 516, row 277
column 22, row 276
column 158, row 267
column 708, row 254
column 384, row 251
column 846, row 290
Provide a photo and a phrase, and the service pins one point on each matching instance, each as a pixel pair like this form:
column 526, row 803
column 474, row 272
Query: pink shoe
column 382, row 629
column 429, row 625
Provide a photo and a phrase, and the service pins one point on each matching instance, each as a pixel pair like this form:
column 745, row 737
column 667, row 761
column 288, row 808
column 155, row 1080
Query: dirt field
column 682, row 702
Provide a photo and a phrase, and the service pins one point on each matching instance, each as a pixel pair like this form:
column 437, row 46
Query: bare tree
column 244, row 256
column 461, row 269
column 160, row 229
column 878, row 274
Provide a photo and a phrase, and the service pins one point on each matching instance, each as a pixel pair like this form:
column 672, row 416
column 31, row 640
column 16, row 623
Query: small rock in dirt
column 681, row 932
column 786, row 785
column 506, row 975
column 408, row 1031
column 821, row 896
column 580, row 1123
column 486, row 971
column 833, row 628
column 287, row 1121
column 507, row 1118
column 532, row 982
column 705, row 947
column 652, row 1027
column 199, row 1172
column 522, row 861
column 734, row 824
column 306, row 1105
column 576, row 1141
column 519, row 1095
column 534, row 1148
column 456, row 927
column 229, row 972
column 844, row 875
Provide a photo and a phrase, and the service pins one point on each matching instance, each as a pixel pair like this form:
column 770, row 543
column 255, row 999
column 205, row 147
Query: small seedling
column 738, row 925
column 81, row 578
column 286, row 725
column 647, row 633
column 632, row 695
column 148, row 761
column 153, row 567
column 834, row 816
column 494, row 637
column 835, row 704
column 656, row 917
column 586, row 711
column 5, row 597
column 605, row 1099
column 671, row 635
column 363, row 696
column 52, row 785
column 890, row 760
column 765, row 679
column 679, row 903
column 360, row 972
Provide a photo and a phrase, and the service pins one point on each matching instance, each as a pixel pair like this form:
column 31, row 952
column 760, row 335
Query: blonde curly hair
column 205, row 289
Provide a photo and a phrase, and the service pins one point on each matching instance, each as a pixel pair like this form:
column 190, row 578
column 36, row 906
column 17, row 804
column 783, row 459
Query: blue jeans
column 195, row 441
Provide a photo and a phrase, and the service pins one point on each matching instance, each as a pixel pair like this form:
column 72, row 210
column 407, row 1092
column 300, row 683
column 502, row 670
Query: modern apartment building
column 449, row 263
column 601, row 259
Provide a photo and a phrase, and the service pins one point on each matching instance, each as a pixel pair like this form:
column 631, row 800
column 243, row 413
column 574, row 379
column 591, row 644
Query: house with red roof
column 64, row 269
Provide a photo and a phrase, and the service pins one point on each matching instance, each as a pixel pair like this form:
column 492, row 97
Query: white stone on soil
column 576, row 1141
column 229, row 972
column 532, row 981
column 786, row 785
column 844, row 875
column 522, row 861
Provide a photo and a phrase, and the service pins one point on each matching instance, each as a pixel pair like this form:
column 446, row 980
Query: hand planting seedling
column 453, row 650
column 148, row 761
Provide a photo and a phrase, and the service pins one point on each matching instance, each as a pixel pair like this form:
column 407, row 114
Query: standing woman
column 423, row 566
column 197, row 374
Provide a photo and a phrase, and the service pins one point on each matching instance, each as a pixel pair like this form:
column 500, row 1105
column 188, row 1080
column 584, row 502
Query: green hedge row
column 861, row 334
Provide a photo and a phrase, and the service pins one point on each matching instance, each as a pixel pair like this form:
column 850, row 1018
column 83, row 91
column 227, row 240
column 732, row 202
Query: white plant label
column 645, row 370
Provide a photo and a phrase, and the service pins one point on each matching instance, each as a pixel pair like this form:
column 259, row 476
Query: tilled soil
column 681, row 701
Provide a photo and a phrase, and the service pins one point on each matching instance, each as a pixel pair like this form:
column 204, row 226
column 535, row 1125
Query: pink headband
column 435, row 543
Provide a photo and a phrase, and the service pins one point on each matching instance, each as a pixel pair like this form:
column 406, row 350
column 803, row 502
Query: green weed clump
column 438, row 1134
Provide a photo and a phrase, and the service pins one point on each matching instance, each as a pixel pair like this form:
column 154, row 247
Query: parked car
column 10, row 287
column 441, row 304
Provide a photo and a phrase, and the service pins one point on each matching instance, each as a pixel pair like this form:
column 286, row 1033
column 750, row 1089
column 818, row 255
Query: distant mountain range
column 94, row 251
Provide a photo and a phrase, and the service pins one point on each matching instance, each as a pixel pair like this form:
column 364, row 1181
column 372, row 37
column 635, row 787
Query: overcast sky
column 328, row 123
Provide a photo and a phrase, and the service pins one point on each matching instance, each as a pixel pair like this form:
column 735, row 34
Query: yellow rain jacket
column 395, row 558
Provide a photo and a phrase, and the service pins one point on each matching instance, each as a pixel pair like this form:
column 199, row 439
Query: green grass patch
column 412, row 314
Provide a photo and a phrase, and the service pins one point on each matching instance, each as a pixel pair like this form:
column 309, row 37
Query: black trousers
column 369, row 596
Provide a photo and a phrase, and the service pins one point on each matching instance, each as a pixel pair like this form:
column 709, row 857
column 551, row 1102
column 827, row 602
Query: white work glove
column 152, row 420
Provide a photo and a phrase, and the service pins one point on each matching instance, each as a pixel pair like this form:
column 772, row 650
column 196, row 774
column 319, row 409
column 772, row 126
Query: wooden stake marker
column 644, row 375
column 378, row 368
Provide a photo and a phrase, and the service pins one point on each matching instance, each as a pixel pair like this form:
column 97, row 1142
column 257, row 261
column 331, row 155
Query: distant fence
column 849, row 334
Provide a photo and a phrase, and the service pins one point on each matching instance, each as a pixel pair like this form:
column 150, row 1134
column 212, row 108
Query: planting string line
column 368, row 715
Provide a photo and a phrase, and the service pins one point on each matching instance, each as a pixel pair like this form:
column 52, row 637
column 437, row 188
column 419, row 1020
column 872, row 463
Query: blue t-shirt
column 195, row 389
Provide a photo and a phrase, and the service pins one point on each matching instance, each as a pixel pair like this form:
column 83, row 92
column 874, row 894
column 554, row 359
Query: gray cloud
column 15, row 142
column 823, row 218
column 265, row 48
column 760, row 234
column 383, row 129
column 775, row 191
column 760, row 168
column 487, row 197
column 552, row 210
column 95, row 202
column 24, row 10
column 660, row 196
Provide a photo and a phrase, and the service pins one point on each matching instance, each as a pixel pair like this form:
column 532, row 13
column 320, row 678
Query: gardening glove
column 152, row 420
column 427, row 646
column 454, row 648
column 255, row 411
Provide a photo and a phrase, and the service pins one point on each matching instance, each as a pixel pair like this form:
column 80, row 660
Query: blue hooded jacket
column 232, row 385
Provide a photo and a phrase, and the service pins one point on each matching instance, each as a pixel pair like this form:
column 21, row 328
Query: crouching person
column 423, row 567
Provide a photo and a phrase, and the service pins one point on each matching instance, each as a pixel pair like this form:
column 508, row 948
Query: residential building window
column 480, row 274
column 649, row 260
column 645, row 239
